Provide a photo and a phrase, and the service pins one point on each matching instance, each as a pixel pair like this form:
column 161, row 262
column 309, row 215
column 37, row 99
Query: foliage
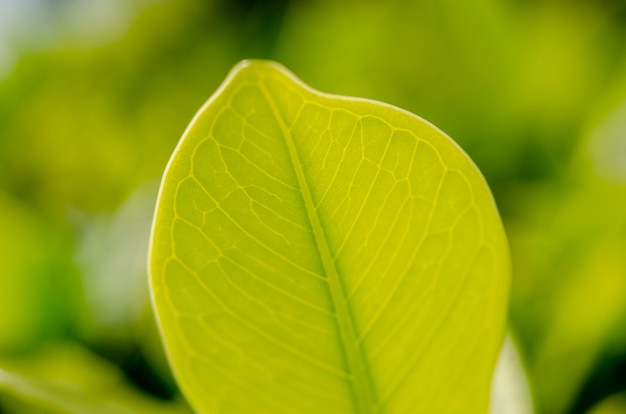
column 317, row 253
column 532, row 90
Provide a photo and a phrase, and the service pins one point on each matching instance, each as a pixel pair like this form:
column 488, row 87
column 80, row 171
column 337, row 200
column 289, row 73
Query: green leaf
column 615, row 404
column 66, row 378
column 38, row 284
column 314, row 253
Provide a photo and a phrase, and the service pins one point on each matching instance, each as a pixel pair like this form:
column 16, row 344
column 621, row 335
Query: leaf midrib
column 361, row 381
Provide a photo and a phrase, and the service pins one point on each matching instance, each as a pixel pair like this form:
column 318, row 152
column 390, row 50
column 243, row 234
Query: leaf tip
column 256, row 66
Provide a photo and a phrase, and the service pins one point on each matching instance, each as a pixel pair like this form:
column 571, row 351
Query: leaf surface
column 315, row 253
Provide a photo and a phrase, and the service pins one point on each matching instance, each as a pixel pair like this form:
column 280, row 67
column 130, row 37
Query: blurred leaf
column 85, row 127
column 111, row 253
column 615, row 404
column 509, row 82
column 66, row 378
column 569, row 247
column 319, row 253
column 510, row 391
column 588, row 310
column 607, row 145
column 35, row 274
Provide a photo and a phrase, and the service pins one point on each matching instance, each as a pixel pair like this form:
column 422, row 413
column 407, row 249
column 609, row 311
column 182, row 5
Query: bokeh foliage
column 533, row 90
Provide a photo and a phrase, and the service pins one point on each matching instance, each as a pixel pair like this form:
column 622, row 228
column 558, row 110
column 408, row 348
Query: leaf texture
column 314, row 253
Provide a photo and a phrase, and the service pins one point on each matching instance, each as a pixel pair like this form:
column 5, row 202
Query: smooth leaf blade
column 317, row 253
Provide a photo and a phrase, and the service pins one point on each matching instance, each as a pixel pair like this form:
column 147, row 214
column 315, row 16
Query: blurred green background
column 94, row 95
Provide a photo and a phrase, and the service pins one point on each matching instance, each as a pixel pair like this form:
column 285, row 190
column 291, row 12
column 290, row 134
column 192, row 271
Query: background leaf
column 318, row 253
column 67, row 378
column 510, row 390
column 615, row 404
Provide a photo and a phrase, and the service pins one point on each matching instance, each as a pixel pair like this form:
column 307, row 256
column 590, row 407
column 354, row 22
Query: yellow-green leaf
column 65, row 378
column 321, row 254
